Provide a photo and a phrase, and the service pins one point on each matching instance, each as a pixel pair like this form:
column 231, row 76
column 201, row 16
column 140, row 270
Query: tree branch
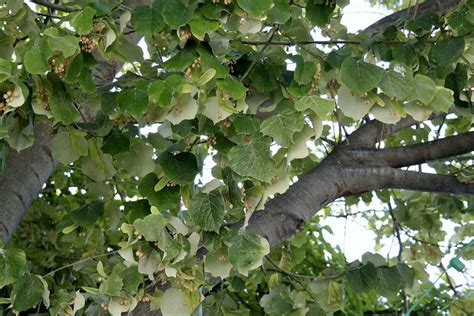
column 22, row 179
column 436, row 6
column 420, row 181
column 53, row 6
column 375, row 131
column 421, row 153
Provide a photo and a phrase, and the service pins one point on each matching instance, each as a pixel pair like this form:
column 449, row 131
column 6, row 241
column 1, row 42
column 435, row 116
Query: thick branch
column 375, row 131
column 436, row 6
column 24, row 174
column 427, row 182
column 421, row 153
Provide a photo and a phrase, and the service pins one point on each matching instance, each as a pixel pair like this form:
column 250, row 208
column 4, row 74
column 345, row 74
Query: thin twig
column 53, row 6
column 76, row 105
column 396, row 230
column 451, row 285
column 49, row 16
column 296, row 275
column 119, row 192
column 80, row 261
column 254, row 62
column 327, row 140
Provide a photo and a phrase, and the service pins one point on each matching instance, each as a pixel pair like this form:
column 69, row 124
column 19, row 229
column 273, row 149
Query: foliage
column 128, row 217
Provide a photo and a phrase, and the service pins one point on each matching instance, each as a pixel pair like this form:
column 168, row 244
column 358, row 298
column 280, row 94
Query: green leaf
column 391, row 113
column 181, row 168
column 74, row 69
column 97, row 165
column 131, row 279
column 397, row 84
column 165, row 199
column 36, row 60
column 245, row 124
column 12, row 265
column 82, row 20
column 207, row 210
column 232, row 87
column 389, row 280
column 245, row 249
column 138, row 161
column 181, row 60
column 147, row 20
column 200, row 26
column 133, row 101
column 62, row 107
column 443, row 99
column 151, row 226
column 112, row 285
column 407, row 274
column 116, row 143
column 160, row 92
column 27, row 292
column 68, row 44
column 255, row 8
column 283, row 125
column 183, row 107
column 322, row 107
column 178, row 13
column 360, row 76
column 424, row 89
column 209, row 61
column 363, row 279
column 304, row 72
column 217, row 263
column 319, row 14
column 235, row 196
column 448, row 51
column 280, row 12
column 263, row 79
column 352, row 105
column 6, row 68
column 253, row 160
column 68, row 147
column 88, row 214
column 173, row 301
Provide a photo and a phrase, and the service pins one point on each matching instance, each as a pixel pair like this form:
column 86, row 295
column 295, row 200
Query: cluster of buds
column 88, row 44
column 123, row 302
column 104, row 306
column 184, row 33
column 59, row 67
column 6, row 98
column 225, row 1
column 187, row 72
column 171, row 184
column 146, row 298
column 140, row 253
column 211, row 140
column 196, row 63
column 227, row 123
column 314, row 84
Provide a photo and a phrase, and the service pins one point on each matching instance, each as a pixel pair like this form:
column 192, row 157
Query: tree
column 97, row 216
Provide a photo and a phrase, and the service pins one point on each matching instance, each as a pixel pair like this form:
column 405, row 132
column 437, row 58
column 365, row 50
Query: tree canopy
column 262, row 114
